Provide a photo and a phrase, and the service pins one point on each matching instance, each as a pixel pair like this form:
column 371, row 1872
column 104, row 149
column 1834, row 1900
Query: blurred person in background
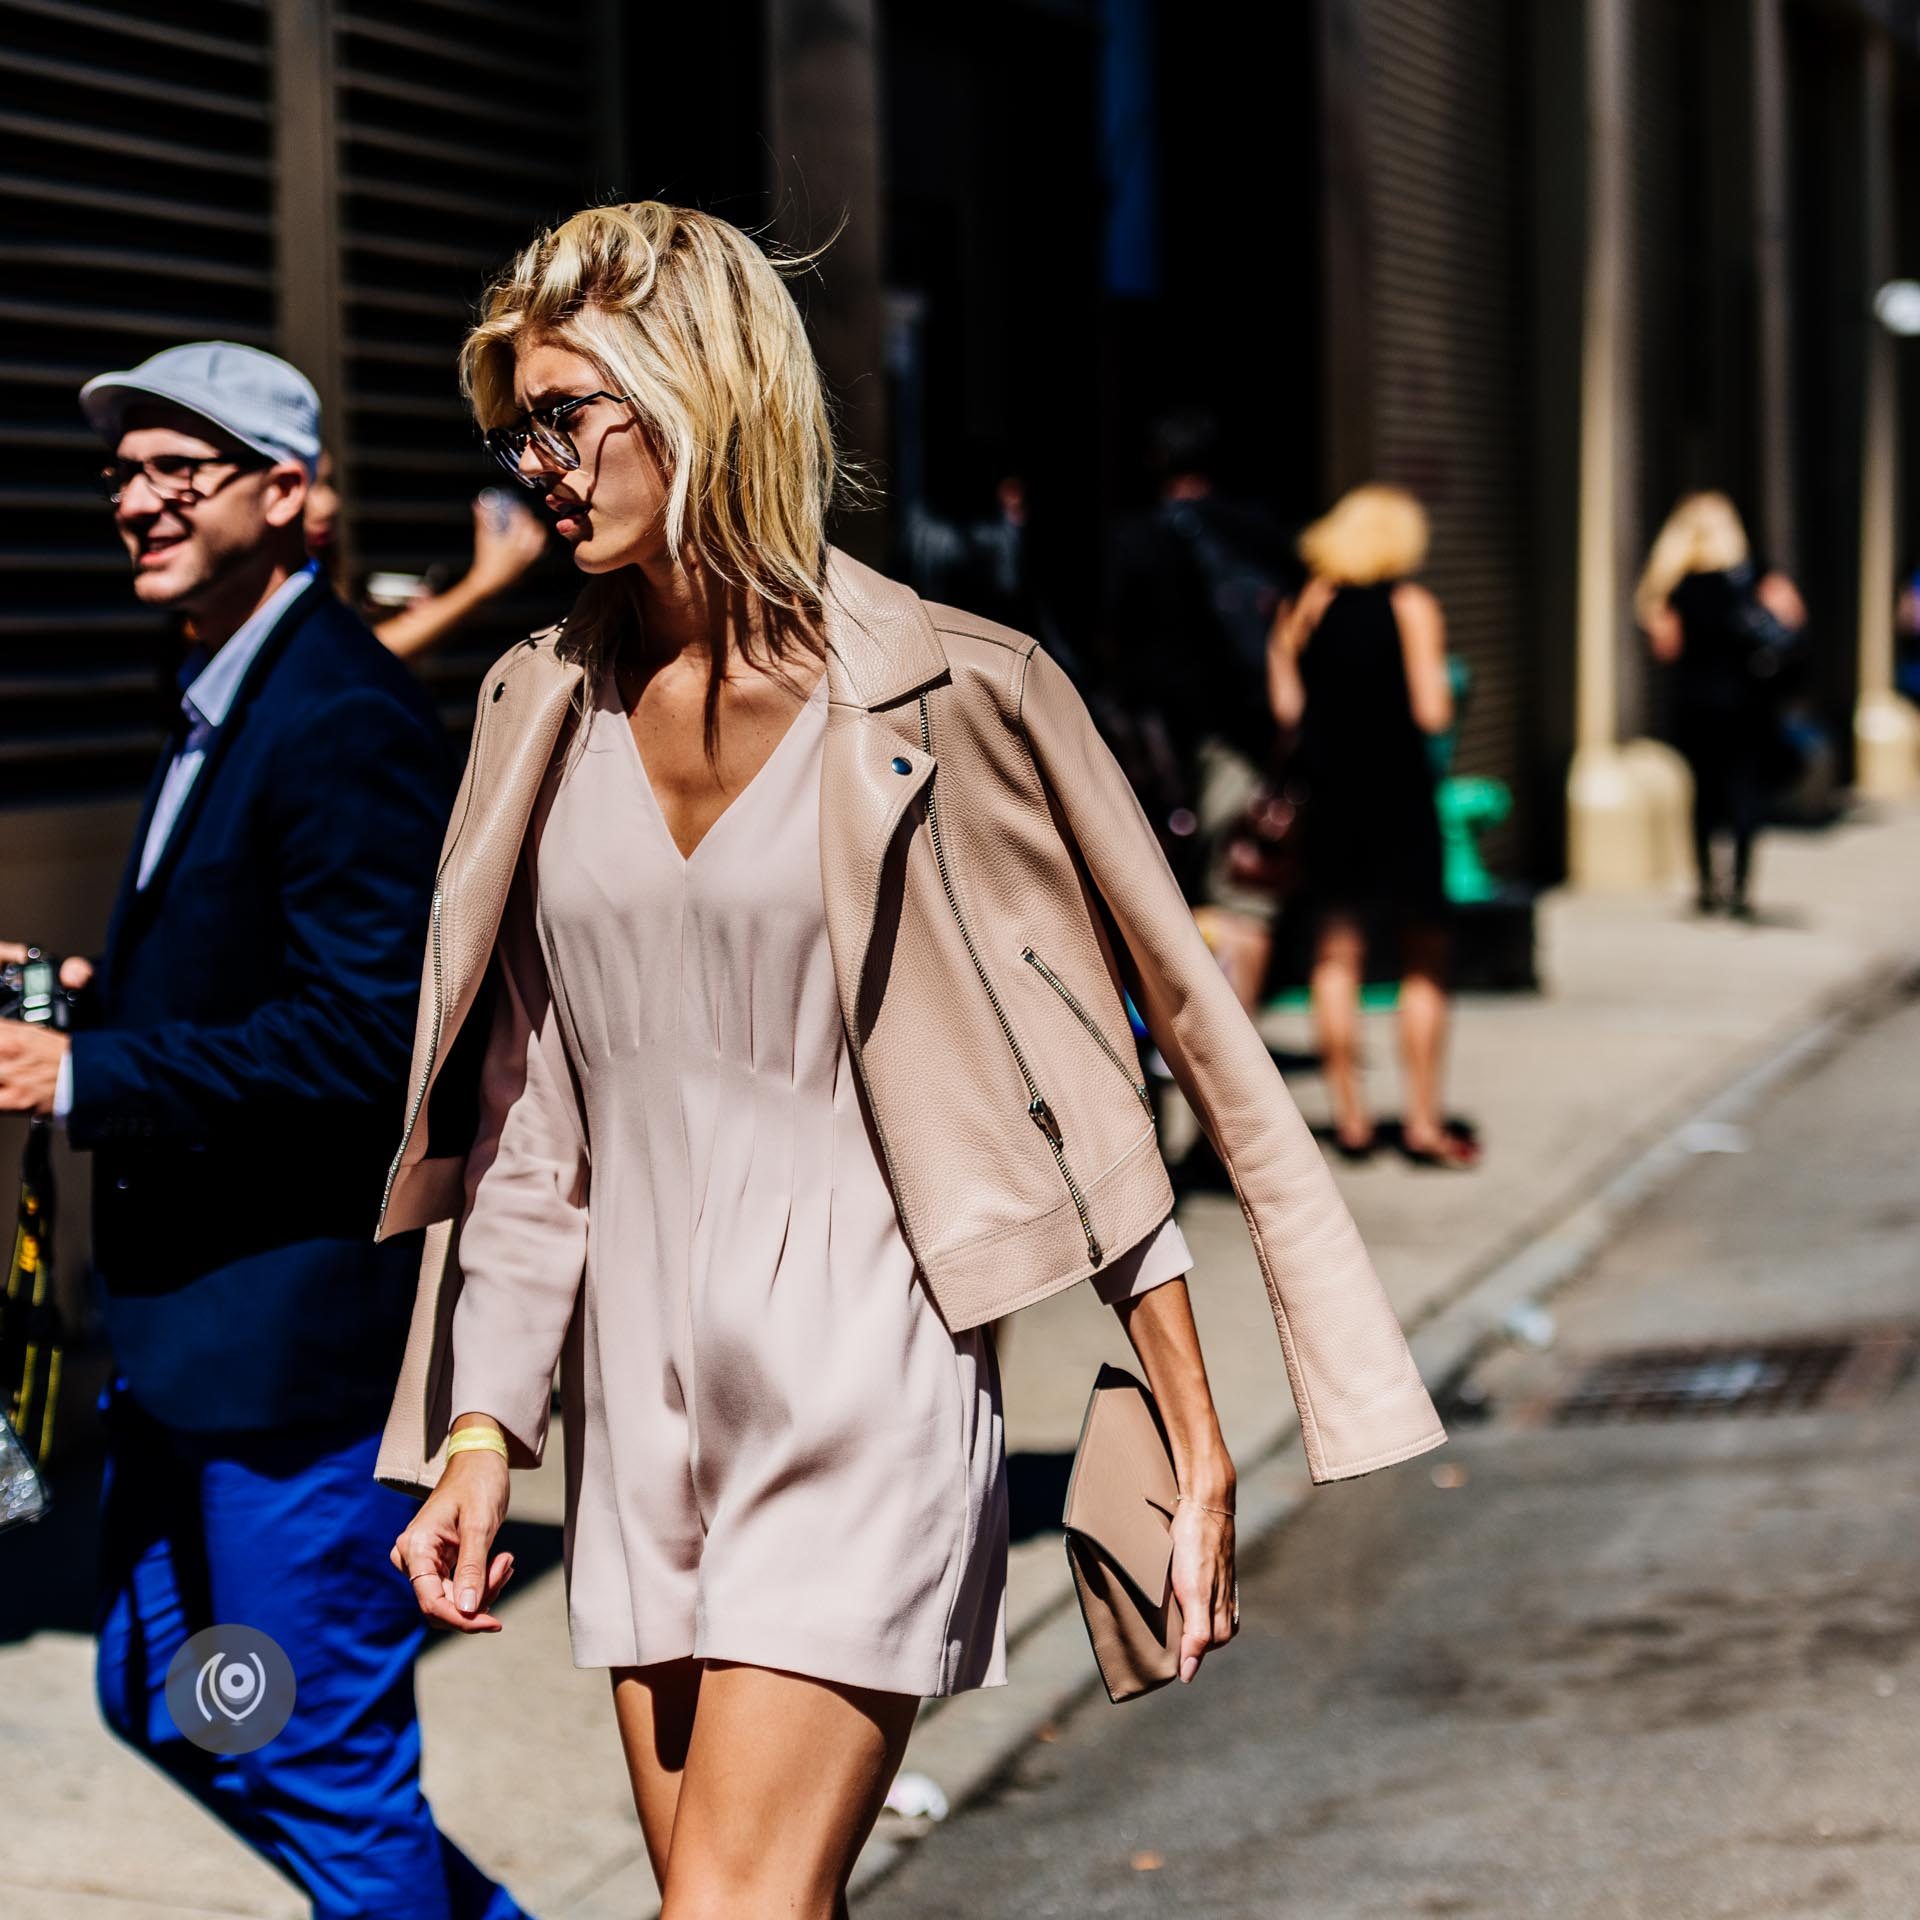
column 988, row 563
column 1730, row 631
column 507, row 541
column 1194, row 585
column 1906, row 636
column 1359, row 664
column 237, row 1075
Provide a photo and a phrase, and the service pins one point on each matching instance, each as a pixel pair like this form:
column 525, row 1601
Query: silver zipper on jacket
column 419, row 1099
column 1092, row 1026
column 1038, row 1111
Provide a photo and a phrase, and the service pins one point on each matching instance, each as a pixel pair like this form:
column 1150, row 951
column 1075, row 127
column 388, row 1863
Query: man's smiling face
column 183, row 549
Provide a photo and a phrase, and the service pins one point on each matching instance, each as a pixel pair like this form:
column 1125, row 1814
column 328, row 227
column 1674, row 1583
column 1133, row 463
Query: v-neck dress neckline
column 803, row 716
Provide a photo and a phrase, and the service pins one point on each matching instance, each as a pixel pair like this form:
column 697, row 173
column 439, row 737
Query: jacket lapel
column 524, row 702
column 299, row 610
column 881, row 650
column 523, row 712
column 123, row 900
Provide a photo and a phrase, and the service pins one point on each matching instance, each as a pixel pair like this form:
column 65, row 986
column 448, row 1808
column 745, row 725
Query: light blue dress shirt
column 206, row 702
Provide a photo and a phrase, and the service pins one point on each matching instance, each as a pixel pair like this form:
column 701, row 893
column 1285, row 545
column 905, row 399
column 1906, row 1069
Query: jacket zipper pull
column 1042, row 1117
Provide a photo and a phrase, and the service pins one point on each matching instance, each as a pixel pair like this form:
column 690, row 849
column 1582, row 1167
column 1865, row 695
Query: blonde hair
column 1371, row 534
column 689, row 317
column 1703, row 534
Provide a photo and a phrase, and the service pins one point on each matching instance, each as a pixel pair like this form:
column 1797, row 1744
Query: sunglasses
column 545, row 428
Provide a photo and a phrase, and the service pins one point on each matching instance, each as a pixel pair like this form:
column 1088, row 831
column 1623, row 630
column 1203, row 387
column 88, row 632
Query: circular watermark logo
column 230, row 1689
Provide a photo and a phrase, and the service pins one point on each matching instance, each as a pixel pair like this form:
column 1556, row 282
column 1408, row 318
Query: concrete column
column 1777, row 532
column 823, row 115
column 1886, row 730
column 306, row 193
column 1609, row 830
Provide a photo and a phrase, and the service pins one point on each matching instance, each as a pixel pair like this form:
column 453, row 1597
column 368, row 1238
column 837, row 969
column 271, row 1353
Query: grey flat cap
column 251, row 396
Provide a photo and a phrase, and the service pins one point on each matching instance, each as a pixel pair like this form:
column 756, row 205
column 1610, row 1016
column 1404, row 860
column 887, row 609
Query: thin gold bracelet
column 476, row 1440
column 1202, row 1505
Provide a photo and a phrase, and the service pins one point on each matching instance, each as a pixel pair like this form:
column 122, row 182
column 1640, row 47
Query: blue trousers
column 286, row 1532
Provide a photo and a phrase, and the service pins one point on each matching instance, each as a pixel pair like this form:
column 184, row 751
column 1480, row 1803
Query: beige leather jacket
column 991, row 884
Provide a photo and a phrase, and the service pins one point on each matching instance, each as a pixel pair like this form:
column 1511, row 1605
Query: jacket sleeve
column 358, row 805
column 523, row 1236
column 1359, row 1394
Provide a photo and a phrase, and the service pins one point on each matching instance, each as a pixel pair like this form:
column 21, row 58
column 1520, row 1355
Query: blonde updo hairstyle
column 1371, row 534
column 690, row 318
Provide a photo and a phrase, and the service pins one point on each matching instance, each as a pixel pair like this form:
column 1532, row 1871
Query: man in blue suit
column 239, row 1073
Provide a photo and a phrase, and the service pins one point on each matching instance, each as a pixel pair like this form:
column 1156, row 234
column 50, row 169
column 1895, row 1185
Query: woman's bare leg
column 655, row 1710
column 1423, row 1038
column 1339, row 963
column 783, row 1780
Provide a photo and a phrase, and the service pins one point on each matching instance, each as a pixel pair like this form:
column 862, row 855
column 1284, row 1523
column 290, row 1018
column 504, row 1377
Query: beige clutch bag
column 1119, row 1527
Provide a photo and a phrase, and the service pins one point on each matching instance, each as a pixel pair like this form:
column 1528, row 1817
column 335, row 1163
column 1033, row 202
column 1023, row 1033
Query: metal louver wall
column 135, row 210
column 463, row 126
column 1448, row 371
column 144, row 200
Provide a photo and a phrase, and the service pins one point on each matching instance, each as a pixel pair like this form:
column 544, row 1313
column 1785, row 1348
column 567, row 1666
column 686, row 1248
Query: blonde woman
column 1359, row 663
column 771, row 1046
column 1703, row 605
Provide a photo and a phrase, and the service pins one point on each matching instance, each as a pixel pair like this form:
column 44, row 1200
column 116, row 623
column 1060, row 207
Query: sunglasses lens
column 553, row 442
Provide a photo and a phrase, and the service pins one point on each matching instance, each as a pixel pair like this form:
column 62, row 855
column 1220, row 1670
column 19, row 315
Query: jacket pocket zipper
column 1038, row 1111
column 1092, row 1026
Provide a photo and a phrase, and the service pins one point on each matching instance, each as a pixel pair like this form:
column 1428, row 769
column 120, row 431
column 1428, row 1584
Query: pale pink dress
column 786, row 1458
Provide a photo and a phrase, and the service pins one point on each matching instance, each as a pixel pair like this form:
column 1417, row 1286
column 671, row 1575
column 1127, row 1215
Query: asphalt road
column 1660, row 1669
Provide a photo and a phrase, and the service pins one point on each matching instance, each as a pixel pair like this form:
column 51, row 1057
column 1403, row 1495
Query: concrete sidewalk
column 1648, row 1015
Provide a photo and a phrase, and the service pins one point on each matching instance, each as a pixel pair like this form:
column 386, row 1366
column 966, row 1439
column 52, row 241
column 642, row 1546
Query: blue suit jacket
column 240, row 1070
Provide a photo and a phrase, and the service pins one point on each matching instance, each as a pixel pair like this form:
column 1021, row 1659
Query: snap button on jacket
column 991, row 885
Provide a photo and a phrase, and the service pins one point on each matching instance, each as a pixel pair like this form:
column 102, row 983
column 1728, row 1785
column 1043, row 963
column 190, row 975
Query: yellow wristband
column 477, row 1440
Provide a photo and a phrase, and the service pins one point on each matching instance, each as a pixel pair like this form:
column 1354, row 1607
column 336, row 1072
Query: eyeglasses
column 546, row 428
column 174, row 477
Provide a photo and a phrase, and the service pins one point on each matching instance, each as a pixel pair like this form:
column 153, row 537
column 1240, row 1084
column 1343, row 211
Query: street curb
column 1448, row 1339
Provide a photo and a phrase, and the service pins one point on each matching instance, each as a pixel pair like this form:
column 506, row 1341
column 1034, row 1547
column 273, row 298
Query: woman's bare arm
column 1293, row 625
column 501, row 554
column 1160, row 1325
column 1423, row 646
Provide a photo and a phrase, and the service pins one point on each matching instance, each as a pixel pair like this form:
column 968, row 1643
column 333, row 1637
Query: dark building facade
column 1395, row 239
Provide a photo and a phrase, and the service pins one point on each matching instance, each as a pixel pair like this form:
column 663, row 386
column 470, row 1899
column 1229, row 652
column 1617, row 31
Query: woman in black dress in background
column 1359, row 662
column 1707, row 609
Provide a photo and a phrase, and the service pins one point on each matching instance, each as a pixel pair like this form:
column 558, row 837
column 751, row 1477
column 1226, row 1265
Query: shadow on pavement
column 48, row 1570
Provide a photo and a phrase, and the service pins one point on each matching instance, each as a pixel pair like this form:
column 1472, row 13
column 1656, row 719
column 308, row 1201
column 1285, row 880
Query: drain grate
column 1761, row 1377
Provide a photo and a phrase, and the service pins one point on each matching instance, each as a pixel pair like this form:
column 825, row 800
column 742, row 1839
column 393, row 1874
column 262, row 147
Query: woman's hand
column 444, row 1552
column 504, row 547
column 1203, row 1582
column 1159, row 1322
column 1665, row 635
